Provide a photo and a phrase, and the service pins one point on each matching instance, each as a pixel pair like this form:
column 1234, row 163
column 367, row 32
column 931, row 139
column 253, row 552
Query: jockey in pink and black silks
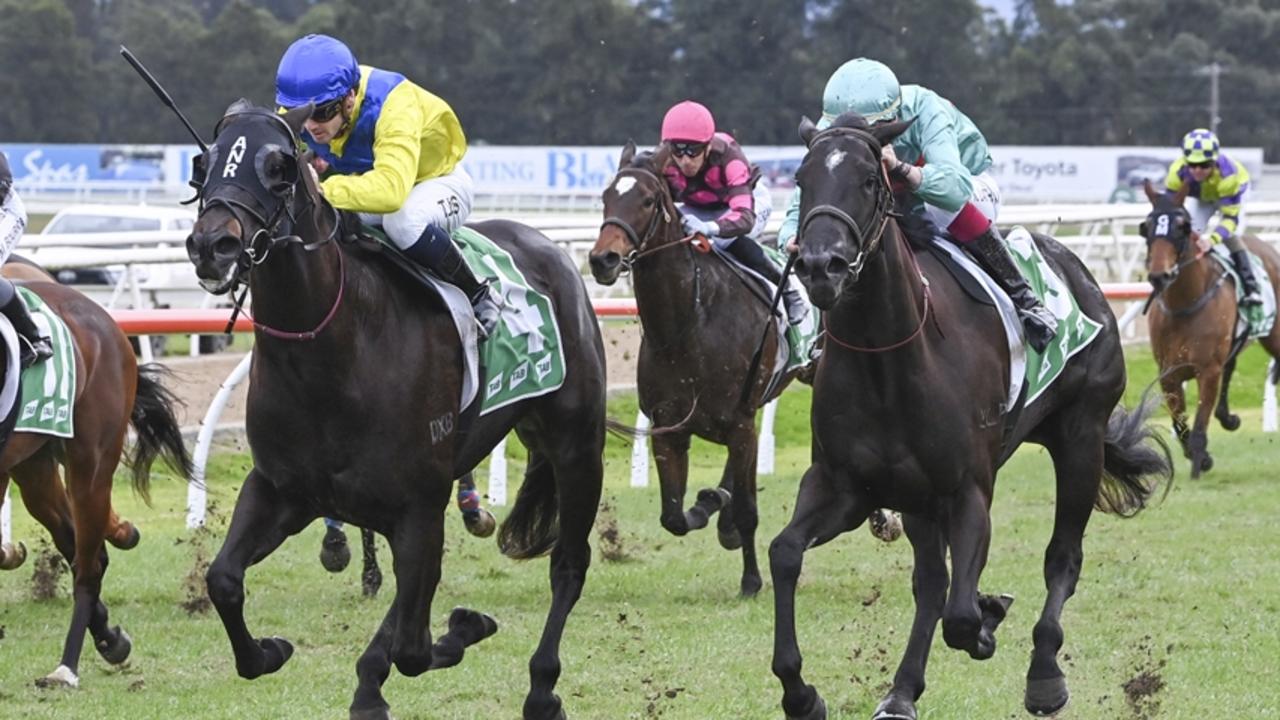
column 34, row 345
column 719, row 192
column 390, row 151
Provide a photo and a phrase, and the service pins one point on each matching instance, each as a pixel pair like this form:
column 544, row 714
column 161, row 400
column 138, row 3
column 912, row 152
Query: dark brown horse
column 1192, row 321
column 112, row 392
column 702, row 323
column 353, row 411
column 921, row 428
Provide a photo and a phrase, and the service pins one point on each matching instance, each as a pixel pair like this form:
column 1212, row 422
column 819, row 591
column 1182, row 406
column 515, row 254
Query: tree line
column 526, row 72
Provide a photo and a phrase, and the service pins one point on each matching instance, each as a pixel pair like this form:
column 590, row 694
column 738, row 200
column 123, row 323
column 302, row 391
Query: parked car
column 92, row 219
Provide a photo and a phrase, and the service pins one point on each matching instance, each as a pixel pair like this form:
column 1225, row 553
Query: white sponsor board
column 1026, row 174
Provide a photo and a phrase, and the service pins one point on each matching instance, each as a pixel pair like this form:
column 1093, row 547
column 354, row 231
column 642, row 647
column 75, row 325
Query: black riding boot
column 436, row 252
column 751, row 255
column 35, row 348
column 1252, row 295
column 991, row 252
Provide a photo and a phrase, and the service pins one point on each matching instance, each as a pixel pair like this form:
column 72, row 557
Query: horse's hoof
column 377, row 713
column 713, row 499
column 886, row 525
column 817, row 712
column 480, row 523
column 476, row 625
column 729, row 539
column 63, row 677
column 277, row 652
column 12, row 556
column 335, row 554
column 1230, row 422
column 1047, row 696
column 750, row 587
column 895, row 708
column 129, row 542
column 1206, row 463
column 116, row 649
column 551, row 711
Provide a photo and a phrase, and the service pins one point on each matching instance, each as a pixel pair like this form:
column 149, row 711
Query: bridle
column 1179, row 246
column 640, row 242
column 880, row 214
column 275, row 229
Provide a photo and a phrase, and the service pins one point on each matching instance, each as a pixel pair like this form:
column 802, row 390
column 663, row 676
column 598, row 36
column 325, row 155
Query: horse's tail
column 156, row 426
column 533, row 527
column 1136, row 460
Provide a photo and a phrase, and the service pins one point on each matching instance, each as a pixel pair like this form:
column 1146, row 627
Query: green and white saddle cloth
column 1075, row 329
column 1258, row 320
column 799, row 338
column 48, row 389
column 524, row 357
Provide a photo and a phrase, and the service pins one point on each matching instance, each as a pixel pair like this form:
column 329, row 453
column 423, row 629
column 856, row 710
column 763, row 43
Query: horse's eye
column 871, row 180
column 648, row 203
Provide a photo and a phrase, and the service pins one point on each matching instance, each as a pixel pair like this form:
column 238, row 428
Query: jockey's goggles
column 688, row 149
column 326, row 112
column 1201, row 165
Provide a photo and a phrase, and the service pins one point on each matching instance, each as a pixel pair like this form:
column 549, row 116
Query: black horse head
column 637, row 207
column 246, row 184
column 1167, row 231
column 845, row 202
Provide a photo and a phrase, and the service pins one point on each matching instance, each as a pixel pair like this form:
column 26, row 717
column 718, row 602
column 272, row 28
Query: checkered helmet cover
column 1200, row 145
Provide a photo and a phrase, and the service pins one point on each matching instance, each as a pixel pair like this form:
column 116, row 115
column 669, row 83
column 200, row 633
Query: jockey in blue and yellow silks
column 390, row 149
column 1215, row 182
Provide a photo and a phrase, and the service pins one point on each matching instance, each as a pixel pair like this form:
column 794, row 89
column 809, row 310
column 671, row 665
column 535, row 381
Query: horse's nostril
column 227, row 245
column 837, row 265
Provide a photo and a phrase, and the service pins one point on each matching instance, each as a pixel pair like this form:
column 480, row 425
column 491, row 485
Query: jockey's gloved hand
column 694, row 226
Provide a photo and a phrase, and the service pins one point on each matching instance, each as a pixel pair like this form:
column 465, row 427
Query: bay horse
column 908, row 413
column 112, row 393
column 702, row 322
column 353, row 410
column 1192, row 321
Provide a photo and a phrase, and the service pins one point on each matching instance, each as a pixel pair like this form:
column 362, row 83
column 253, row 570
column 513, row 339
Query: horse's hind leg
column 1077, row 455
column 1223, row 412
column 370, row 573
column 261, row 521
column 742, row 465
column 825, row 507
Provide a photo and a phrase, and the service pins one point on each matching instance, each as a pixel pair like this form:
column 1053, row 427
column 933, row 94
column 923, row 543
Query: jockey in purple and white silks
column 943, row 160
column 720, row 194
column 35, row 347
column 393, row 153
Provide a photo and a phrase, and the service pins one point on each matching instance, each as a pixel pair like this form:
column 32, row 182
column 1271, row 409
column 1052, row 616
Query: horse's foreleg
column 825, row 508
column 742, row 466
column 261, row 521
column 671, row 455
column 929, row 587
column 1208, row 381
column 578, row 476
column 1223, row 412
column 1077, row 462
column 968, row 523
column 1176, row 400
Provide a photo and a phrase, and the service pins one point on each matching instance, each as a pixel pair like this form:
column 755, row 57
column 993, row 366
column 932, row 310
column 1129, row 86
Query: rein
column 924, row 313
column 1200, row 302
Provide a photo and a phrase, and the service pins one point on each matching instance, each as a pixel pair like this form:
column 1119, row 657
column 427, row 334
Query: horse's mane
column 851, row 119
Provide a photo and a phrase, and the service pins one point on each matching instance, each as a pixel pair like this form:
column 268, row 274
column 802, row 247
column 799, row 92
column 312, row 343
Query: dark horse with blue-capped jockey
column 909, row 412
column 354, row 410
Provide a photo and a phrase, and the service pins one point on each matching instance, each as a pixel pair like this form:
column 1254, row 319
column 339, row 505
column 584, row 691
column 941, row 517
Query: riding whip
column 754, row 368
column 164, row 96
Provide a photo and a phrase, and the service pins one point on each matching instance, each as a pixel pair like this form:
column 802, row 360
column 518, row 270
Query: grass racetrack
column 1177, row 614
